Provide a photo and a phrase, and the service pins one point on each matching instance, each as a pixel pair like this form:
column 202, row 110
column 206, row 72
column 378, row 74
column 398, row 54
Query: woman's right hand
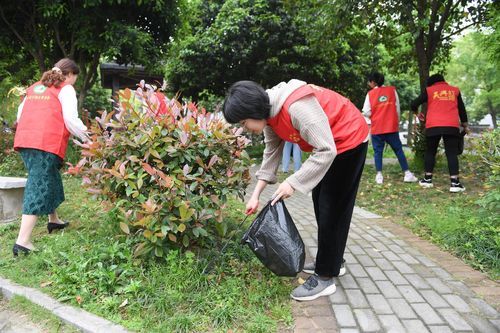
column 252, row 206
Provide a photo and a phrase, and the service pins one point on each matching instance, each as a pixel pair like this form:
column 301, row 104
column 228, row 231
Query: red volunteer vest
column 349, row 128
column 384, row 114
column 442, row 106
column 41, row 125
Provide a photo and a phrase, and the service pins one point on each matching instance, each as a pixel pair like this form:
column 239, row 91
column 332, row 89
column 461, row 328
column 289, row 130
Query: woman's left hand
column 284, row 191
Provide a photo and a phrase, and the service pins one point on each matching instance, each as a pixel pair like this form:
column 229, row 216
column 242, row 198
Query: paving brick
column 350, row 258
column 434, row 299
column 318, row 310
column 410, row 294
column 384, row 264
column 309, row 242
column 458, row 303
column 423, row 271
column 484, row 307
column 396, row 249
column 456, row 321
column 391, row 324
column 403, row 267
column 439, row 286
column 379, row 304
column 339, row 297
column 379, row 246
column 356, row 298
column 401, row 242
column 348, row 282
column 388, row 289
column 401, row 308
column 440, row 329
column 367, row 285
column 376, row 273
column 389, row 255
column 442, row 273
column 303, row 322
column 374, row 253
column 461, row 288
column 356, row 249
column 426, row 261
column 344, row 315
column 496, row 323
column 408, row 259
column 365, row 260
column 349, row 330
column 415, row 325
column 357, row 270
column 416, row 281
column 481, row 324
column 369, row 238
column 313, row 251
column 428, row 314
column 396, row 277
column 367, row 320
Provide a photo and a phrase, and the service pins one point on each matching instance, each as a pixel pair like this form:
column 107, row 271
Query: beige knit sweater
column 310, row 120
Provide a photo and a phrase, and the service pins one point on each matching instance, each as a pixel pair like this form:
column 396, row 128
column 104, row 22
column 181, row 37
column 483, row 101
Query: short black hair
column 376, row 77
column 246, row 100
column 434, row 79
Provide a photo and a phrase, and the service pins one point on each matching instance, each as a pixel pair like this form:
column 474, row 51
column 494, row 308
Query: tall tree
column 87, row 31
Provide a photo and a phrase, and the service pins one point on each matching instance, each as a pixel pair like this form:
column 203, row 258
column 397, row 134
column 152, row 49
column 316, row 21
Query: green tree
column 86, row 31
column 253, row 40
column 476, row 75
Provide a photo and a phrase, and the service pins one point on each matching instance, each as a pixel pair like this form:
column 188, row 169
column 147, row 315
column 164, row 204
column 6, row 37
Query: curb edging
column 78, row 318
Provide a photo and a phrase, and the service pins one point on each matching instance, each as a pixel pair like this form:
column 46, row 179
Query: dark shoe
column 310, row 267
column 55, row 226
column 426, row 182
column 456, row 187
column 18, row 248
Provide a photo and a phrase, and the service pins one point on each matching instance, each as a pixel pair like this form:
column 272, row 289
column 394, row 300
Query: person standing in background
column 46, row 118
column 382, row 107
column 291, row 149
column 445, row 113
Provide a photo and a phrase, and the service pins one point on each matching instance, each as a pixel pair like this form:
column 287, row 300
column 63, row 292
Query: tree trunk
column 493, row 113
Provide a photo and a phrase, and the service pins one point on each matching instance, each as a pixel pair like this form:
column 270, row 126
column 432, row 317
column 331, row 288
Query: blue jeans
column 378, row 142
column 297, row 156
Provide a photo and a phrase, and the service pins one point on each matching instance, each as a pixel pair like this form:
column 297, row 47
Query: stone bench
column 11, row 198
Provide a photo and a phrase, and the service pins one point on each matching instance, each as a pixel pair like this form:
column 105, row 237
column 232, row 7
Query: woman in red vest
column 445, row 113
column 322, row 122
column 382, row 107
column 46, row 117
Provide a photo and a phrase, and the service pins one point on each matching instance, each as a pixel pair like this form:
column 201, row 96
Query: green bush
column 11, row 163
column 170, row 175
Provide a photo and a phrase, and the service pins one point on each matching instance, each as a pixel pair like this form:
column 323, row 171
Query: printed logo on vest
column 382, row 99
column 294, row 137
column 444, row 95
column 39, row 89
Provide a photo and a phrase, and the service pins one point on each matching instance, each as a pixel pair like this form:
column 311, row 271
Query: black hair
column 376, row 77
column 246, row 100
column 434, row 79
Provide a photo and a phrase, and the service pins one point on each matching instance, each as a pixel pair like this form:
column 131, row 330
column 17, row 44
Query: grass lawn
column 454, row 221
column 91, row 266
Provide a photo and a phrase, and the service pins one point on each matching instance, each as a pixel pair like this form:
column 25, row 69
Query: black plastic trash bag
column 276, row 241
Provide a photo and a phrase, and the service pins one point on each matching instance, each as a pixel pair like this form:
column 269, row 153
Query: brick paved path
column 395, row 282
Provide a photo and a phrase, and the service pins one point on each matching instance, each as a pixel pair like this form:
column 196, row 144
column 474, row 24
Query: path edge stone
column 78, row 318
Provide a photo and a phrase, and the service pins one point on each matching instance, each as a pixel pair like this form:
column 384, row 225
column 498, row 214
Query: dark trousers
column 392, row 139
column 450, row 148
column 333, row 200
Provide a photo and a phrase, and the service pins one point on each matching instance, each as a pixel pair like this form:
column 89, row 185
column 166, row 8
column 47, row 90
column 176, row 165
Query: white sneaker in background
column 379, row 179
column 410, row 177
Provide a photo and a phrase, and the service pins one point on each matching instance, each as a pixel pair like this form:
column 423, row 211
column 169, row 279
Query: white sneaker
column 379, row 179
column 410, row 178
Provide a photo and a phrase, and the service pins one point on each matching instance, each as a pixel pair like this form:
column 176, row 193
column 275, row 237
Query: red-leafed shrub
column 169, row 175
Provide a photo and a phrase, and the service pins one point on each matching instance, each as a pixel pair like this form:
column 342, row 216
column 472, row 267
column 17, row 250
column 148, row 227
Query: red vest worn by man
column 349, row 128
column 442, row 106
column 41, row 125
column 384, row 114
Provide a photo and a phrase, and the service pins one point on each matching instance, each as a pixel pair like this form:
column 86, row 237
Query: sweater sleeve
column 310, row 120
column 272, row 156
column 461, row 109
column 69, row 103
